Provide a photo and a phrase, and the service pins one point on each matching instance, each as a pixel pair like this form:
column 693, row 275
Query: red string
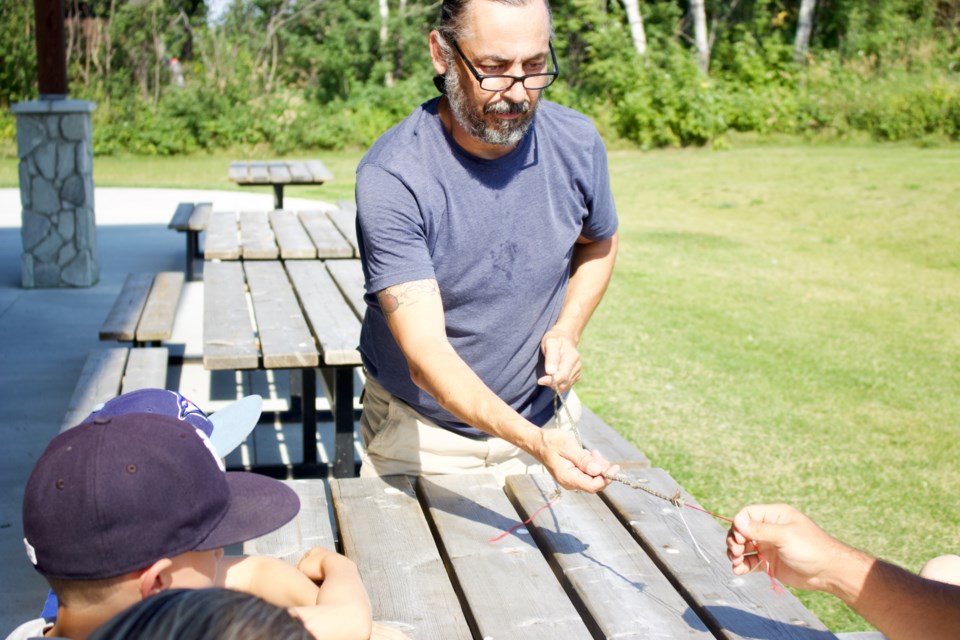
column 777, row 588
column 503, row 535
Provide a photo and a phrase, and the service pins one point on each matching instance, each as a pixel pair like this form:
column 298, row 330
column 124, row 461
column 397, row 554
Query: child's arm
column 336, row 608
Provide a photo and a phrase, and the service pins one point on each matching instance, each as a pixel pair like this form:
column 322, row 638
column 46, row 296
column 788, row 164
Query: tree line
column 295, row 74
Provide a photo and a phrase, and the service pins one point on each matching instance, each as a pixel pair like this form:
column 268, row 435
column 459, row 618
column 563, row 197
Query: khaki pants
column 399, row 441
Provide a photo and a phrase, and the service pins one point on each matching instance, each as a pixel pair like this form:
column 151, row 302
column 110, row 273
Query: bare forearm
column 439, row 371
column 900, row 604
column 590, row 271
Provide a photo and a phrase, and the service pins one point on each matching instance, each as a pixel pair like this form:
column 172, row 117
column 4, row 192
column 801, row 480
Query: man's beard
column 470, row 117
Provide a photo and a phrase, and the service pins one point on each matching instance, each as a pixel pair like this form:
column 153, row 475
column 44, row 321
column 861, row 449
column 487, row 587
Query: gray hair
column 452, row 23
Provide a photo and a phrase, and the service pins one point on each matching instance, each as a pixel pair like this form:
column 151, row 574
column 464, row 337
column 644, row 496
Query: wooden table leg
column 191, row 254
column 340, row 385
column 278, row 196
column 308, row 411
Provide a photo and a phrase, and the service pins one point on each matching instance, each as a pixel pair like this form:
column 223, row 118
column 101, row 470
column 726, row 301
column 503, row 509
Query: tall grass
column 783, row 325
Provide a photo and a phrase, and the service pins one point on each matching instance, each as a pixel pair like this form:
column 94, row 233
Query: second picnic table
column 278, row 174
column 298, row 273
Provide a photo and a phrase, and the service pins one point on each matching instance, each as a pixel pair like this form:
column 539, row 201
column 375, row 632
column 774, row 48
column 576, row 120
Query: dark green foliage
column 287, row 75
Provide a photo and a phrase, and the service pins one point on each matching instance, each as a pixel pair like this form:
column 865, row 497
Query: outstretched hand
column 799, row 552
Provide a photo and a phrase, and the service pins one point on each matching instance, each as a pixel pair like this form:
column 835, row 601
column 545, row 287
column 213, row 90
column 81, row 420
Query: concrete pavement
column 45, row 335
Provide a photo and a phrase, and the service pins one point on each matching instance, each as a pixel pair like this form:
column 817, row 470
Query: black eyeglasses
column 530, row 81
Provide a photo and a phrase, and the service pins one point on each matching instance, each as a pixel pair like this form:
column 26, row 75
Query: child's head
column 118, row 493
column 203, row 613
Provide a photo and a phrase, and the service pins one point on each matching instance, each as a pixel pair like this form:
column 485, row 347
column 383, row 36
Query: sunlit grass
column 783, row 326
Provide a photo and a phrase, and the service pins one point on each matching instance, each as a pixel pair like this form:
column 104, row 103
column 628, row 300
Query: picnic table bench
column 278, row 174
column 145, row 309
column 191, row 218
column 620, row 564
column 110, row 372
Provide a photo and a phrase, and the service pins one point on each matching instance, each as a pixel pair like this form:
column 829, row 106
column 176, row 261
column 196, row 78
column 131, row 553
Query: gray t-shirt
column 497, row 235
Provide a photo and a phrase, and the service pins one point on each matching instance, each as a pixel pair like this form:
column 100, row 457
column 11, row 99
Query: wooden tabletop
column 622, row 564
column 268, row 235
column 246, row 172
column 305, row 315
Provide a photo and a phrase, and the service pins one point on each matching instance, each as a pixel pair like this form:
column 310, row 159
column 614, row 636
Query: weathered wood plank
column 334, row 324
column 279, row 173
column 156, row 322
column 348, row 205
column 121, row 322
column 257, row 173
column 146, row 369
column 238, row 172
column 328, row 240
column 383, row 530
column 181, row 216
column 99, row 381
column 318, row 170
column 257, row 241
column 200, row 216
column 285, row 338
column 346, row 223
column 310, row 528
column 228, row 336
column 731, row 606
column 597, row 434
column 348, row 274
column 292, row 238
column 614, row 584
column 223, row 240
column 506, row 585
column 298, row 171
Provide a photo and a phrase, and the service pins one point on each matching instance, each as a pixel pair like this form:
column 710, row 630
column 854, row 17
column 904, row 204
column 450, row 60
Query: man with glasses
column 488, row 234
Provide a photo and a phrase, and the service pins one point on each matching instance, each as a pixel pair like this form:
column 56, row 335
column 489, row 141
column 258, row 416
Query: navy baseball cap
column 118, row 493
column 226, row 428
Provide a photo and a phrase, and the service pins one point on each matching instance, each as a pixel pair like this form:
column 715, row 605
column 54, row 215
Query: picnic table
column 278, row 174
column 306, row 317
column 620, row 564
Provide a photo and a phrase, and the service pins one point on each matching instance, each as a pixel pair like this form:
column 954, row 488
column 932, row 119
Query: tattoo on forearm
column 408, row 293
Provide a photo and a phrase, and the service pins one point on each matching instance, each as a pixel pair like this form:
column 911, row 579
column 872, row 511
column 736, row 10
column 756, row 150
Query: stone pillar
column 55, row 147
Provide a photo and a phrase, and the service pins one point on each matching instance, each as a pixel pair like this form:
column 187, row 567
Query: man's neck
column 466, row 141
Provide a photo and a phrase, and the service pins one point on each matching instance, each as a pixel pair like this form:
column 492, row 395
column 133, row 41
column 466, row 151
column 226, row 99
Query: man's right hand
column 572, row 466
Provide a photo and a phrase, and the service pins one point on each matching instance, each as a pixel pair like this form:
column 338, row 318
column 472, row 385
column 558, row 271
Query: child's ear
column 156, row 578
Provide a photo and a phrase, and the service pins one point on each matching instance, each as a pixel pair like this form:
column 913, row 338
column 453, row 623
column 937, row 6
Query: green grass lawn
column 783, row 325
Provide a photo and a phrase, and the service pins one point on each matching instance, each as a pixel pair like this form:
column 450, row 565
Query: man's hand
column 561, row 360
column 800, row 553
column 572, row 466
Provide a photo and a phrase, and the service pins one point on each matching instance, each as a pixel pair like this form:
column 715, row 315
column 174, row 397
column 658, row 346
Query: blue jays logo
column 187, row 408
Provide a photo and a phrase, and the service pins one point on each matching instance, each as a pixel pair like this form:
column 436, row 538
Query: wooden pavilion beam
column 51, row 49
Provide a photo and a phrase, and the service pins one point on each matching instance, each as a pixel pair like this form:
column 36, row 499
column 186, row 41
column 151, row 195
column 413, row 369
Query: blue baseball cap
column 118, row 493
column 226, row 428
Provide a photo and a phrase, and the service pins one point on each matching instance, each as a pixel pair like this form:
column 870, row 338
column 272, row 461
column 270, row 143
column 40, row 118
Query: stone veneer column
column 55, row 147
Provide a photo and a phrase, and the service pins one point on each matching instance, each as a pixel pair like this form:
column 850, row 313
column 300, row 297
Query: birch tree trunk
column 384, row 37
column 700, row 34
column 804, row 26
column 636, row 26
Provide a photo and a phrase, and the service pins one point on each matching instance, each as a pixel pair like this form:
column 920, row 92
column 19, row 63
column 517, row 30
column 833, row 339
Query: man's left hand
column 561, row 361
